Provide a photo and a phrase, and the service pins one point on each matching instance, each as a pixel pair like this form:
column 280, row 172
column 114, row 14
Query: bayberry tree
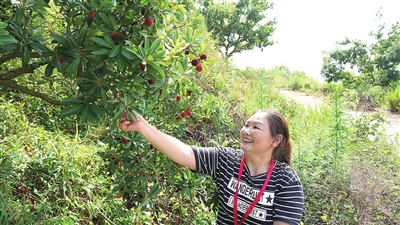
column 105, row 58
column 239, row 25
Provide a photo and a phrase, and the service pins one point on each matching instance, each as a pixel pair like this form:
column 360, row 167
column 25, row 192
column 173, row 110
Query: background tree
column 239, row 26
column 355, row 62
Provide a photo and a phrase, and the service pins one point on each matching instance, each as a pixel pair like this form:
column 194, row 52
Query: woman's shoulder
column 286, row 172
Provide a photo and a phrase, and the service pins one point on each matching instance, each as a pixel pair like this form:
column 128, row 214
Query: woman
column 256, row 185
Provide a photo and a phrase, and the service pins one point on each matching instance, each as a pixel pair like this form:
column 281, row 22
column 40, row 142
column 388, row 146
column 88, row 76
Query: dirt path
column 393, row 120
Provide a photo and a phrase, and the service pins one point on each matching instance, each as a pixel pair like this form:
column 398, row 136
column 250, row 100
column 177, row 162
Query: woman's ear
column 278, row 138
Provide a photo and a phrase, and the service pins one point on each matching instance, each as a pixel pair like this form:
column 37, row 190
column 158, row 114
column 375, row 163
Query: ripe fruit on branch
column 124, row 140
column 148, row 21
column 91, row 15
column 160, row 90
column 178, row 98
column 151, row 81
column 189, row 113
column 203, row 57
column 142, row 66
column 183, row 114
column 114, row 35
column 143, row 11
column 117, row 161
column 199, row 68
column 129, row 205
column 194, row 62
column 61, row 59
column 187, row 52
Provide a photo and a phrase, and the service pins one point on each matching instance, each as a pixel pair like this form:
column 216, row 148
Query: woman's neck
column 258, row 164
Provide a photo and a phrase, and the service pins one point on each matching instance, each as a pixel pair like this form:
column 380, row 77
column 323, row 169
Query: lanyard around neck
column 235, row 198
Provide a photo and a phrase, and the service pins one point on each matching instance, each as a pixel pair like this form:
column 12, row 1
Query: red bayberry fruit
column 142, row 67
column 199, row 68
column 148, row 21
column 189, row 113
column 194, row 62
column 114, row 35
column 178, row 118
column 187, row 52
column 117, row 161
column 183, row 114
column 160, row 90
column 91, row 14
column 129, row 205
column 143, row 11
column 205, row 120
column 178, row 98
column 203, row 57
column 61, row 59
column 124, row 140
column 151, row 81
column 141, row 195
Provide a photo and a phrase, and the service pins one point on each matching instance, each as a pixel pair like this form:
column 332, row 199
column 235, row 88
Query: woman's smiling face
column 255, row 135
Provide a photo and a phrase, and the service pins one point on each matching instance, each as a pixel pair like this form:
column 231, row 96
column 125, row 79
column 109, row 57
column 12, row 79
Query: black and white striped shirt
column 282, row 200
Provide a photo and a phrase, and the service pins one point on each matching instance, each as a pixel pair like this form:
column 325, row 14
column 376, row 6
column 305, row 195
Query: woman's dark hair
column 278, row 125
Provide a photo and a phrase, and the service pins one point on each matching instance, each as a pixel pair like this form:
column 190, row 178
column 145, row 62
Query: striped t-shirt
column 282, row 199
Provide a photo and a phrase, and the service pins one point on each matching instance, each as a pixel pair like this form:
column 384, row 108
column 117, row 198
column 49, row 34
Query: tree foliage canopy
column 108, row 55
column 354, row 61
column 241, row 25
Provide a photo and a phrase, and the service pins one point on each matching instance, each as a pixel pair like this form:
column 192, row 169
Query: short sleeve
column 206, row 160
column 289, row 200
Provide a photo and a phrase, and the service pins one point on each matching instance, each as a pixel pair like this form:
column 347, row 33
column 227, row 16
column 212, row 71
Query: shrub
column 393, row 99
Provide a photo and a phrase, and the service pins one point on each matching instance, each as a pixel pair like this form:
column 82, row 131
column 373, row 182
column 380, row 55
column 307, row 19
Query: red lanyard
column 235, row 198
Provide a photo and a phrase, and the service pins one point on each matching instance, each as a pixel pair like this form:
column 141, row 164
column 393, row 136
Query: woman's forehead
column 258, row 117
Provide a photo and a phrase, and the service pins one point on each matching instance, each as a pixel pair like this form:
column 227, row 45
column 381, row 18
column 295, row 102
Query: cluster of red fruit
column 187, row 113
column 196, row 62
column 207, row 120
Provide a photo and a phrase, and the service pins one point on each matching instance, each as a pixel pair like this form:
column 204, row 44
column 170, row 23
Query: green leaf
column 6, row 39
column 131, row 55
column 60, row 39
column 7, row 48
column 72, row 100
column 120, row 64
column 154, row 46
column 154, row 65
column 155, row 189
column 105, row 18
column 103, row 51
column 102, row 42
column 72, row 68
column 146, row 46
column 49, row 70
column 73, row 110
column 119, row 114
column 103, row 97
column 26, row 57
column 115, row 51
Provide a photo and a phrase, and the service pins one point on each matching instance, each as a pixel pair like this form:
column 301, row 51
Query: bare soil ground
column 393, row 119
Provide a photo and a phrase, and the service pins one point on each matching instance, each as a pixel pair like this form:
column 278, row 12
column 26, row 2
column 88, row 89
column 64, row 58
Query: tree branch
column 13, row 85
column 15, row 73
column 8, row 57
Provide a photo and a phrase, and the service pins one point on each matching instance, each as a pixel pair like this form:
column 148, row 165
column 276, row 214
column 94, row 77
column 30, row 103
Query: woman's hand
column 131, row 124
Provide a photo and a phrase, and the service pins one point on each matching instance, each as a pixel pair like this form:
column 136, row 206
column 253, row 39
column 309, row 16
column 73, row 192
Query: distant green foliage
column 239, row 25
column 393, row 99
